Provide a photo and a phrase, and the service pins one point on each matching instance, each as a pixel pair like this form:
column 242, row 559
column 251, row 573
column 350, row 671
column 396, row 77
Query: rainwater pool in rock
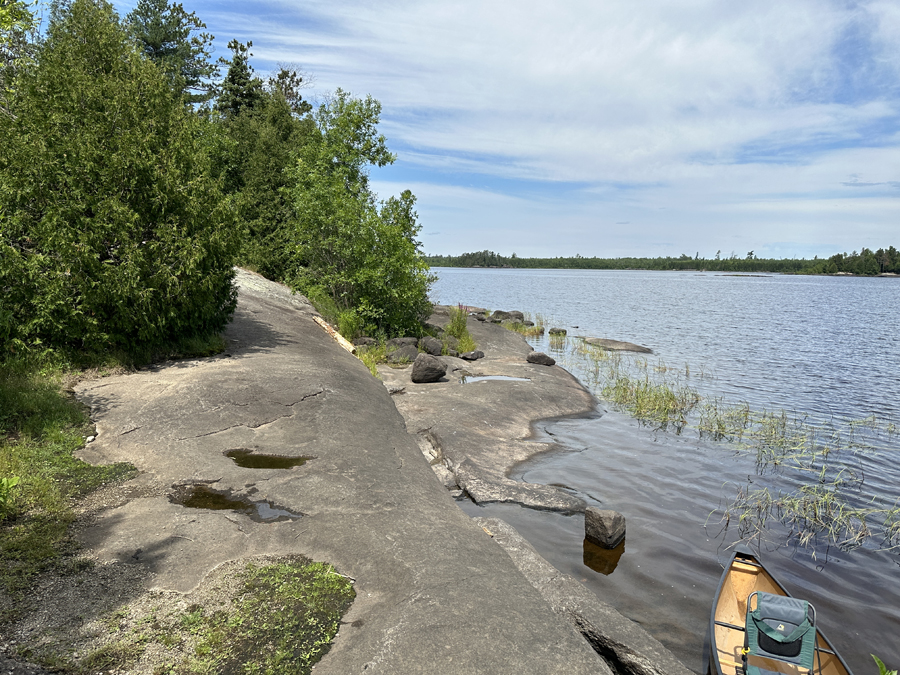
column 489, row 378
column 247, row 459
column 202, row 497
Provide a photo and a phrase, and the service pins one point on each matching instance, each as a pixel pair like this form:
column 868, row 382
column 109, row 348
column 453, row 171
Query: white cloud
column 738, row 119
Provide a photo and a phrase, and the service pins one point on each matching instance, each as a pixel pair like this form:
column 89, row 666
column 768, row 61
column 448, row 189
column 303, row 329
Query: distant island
column 864, row 263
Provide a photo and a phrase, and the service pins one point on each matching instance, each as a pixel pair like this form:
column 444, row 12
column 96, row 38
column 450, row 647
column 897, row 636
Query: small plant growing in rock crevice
column 458, row 328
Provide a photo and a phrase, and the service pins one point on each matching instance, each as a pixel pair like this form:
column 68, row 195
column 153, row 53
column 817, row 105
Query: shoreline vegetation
column 809, row 480
column 884, row 261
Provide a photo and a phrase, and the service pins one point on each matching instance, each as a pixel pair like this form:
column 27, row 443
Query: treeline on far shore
column 863, row 263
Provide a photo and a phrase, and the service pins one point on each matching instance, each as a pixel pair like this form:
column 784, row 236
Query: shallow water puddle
column 484, row 378
column 202, row 497
column 247, row 459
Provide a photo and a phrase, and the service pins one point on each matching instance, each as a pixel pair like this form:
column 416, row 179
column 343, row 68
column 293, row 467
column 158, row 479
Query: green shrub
column 457, row 327
column 363, row 255
column 112, row 229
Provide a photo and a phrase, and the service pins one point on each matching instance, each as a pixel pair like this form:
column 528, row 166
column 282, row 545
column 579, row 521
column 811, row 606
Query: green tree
column 363, row 257
column 112, row 229
column 240, row 90
column 17, row 27
column 288, row 82
column 170, row 37
column 263, row 144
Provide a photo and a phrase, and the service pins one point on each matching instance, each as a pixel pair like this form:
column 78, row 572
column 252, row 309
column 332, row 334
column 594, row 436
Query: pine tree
column 241, row 90
column 169, row 37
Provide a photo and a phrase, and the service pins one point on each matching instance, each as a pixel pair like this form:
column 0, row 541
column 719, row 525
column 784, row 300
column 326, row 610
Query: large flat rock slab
column 434, row 593
column 481, row 428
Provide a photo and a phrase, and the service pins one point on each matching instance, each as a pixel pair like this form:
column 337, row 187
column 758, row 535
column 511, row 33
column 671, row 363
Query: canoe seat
column 779, row 628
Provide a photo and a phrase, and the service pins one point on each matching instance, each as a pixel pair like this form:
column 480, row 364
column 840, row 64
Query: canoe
column 742, row 577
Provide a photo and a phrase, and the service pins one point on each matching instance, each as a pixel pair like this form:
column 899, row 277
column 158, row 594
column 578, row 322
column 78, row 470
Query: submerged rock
column 557, row 331
column 617, row 345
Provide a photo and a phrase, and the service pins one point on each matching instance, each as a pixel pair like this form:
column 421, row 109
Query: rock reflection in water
column 202, row 497
column 602, row 560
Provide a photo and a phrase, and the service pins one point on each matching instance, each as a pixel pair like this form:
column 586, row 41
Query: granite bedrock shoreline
column 437, row 591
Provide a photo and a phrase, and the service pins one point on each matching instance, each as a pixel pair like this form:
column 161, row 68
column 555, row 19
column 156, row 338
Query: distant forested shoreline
column 863, row 263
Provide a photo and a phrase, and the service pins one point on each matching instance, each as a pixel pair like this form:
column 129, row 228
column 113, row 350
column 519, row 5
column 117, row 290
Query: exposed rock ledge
column 474, row 434
column 626, row 646
column 617, row 345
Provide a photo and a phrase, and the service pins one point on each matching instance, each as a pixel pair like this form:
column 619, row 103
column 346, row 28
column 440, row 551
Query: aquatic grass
column 528, row 331
column 814, row 513
column 659, row 403
column 824, row 502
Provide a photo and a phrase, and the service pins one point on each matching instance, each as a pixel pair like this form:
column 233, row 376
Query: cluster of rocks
column 499, row 316
column 408, row 349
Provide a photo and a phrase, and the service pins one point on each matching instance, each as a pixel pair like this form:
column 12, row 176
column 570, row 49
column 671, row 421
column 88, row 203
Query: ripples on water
column 825, row 349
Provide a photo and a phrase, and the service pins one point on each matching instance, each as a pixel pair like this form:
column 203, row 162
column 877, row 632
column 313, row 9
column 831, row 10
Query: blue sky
column 614, row 129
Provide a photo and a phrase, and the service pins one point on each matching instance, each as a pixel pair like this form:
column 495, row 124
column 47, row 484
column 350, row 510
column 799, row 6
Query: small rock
column 394, row 389
column 517, row 316
column 499, row 315
column 528, row 323
column 479, row 317
column 541, row 359
column 451, row 342
column 428, row 368
column 557, row 331
column 452, row 352
column 434, row 328
column 431, row 345
column 407, row 353
column 472, row 356
column 89, row 439
column 604, row 527
column 365, row 341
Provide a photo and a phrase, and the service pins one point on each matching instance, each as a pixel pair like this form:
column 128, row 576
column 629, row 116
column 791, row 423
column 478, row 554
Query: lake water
column 824, row 349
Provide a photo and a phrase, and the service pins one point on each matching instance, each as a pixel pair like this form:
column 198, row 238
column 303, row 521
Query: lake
column 826, row 350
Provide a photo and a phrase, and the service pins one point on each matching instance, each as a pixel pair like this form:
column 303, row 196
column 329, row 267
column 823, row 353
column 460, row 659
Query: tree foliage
column 363, row 256
column 263, row 142
column 241, row 90
column 17, row 26
column 170, row 37
column 864, row 263
column 112, row 229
